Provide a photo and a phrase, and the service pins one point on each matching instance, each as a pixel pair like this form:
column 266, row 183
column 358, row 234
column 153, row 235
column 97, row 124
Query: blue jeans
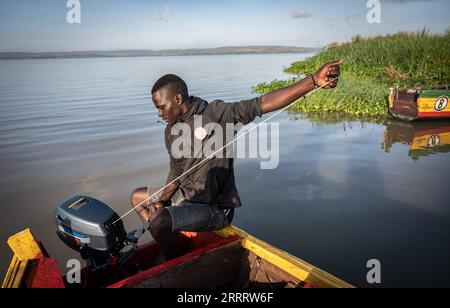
column 196, row 217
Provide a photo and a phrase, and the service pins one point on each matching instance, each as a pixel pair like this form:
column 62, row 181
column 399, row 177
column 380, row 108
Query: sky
column 37, row 26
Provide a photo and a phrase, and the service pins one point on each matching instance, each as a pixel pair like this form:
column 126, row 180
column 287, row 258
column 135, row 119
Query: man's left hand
column 327, row 76
column 155, row 206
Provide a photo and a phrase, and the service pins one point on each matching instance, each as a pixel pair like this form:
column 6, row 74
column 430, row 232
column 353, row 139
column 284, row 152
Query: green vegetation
column 372, row 66
column 333, row 118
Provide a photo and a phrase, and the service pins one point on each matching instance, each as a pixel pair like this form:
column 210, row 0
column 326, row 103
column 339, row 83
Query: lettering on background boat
column 441, row 103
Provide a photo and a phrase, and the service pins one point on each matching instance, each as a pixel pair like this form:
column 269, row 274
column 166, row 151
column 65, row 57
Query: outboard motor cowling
column 94, row 229
column 85, row 223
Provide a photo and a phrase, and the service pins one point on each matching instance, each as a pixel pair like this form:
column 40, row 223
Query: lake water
column 344, row 192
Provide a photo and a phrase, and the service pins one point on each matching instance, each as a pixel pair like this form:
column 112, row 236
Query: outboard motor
column 93, row 229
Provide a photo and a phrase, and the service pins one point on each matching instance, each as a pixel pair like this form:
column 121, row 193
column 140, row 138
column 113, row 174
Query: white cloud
column 301, row 14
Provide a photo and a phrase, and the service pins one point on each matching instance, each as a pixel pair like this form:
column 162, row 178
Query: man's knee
column 138, row 195
column 161, row 224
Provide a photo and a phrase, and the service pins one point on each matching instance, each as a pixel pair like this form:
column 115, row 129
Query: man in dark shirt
column 200, row 193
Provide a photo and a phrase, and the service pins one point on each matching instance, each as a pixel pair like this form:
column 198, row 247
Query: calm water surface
column 345, row 191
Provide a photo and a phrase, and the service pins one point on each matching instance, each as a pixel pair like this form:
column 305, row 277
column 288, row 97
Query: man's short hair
column 173, row 84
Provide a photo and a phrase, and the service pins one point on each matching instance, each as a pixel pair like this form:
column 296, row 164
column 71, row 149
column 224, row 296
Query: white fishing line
column 231, row 142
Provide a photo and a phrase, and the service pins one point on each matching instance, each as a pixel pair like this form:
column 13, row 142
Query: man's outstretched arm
column 281, row 98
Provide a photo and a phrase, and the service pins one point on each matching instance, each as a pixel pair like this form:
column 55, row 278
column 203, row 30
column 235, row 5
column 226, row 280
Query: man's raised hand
column 327, row 73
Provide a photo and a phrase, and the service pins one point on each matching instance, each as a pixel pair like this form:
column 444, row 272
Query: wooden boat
column 419, row 103
column 226, row 258
column 424, row 138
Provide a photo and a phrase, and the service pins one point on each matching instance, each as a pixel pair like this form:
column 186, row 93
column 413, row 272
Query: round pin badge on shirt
column 200, row 133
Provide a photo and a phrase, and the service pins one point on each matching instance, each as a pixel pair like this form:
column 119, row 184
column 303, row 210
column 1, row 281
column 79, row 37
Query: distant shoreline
column 232, row 50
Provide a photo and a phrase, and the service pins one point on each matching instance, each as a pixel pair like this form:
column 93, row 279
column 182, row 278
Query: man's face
column 168, row 106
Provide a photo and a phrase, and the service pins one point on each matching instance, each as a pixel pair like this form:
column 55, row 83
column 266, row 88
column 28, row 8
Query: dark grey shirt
column 212, row 182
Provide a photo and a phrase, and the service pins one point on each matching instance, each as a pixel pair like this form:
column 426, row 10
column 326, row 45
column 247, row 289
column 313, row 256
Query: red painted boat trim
column 44, row 273
column 434, row 114
column 127, row 282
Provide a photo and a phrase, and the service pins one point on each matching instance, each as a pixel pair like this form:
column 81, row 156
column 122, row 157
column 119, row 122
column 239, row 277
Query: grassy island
column 372, row 66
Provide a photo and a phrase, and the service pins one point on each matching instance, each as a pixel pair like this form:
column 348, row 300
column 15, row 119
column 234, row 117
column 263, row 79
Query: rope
column 225, row 146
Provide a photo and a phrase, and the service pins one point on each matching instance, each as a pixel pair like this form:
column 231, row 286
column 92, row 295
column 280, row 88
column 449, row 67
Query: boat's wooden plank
column 16, row 273
column 167, row 266
column 11, row 273
column 292, row 265
column 211, row 269
column 267, row 274
column 25, row 248
column 24, row 245
column 258, row 273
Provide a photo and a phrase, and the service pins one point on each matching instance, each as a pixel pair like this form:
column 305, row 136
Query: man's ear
column 179, row 99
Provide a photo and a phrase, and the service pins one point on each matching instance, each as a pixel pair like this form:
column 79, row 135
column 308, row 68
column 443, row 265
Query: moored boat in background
column 419, row 103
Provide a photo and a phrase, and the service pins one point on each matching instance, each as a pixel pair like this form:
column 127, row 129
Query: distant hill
column 156, row 53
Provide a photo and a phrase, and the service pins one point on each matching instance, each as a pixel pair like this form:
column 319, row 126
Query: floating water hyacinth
column 372, row 66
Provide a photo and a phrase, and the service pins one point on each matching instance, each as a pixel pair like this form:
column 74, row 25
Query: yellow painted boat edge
column 427, row 104
column 24, row 245
column 290, row 264
column 25, row 248
column 15, row 274
column 391, row 102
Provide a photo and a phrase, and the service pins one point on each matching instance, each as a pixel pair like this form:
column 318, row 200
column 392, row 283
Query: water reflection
column 423, row 138
column 332, row 118
column 317, row 186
